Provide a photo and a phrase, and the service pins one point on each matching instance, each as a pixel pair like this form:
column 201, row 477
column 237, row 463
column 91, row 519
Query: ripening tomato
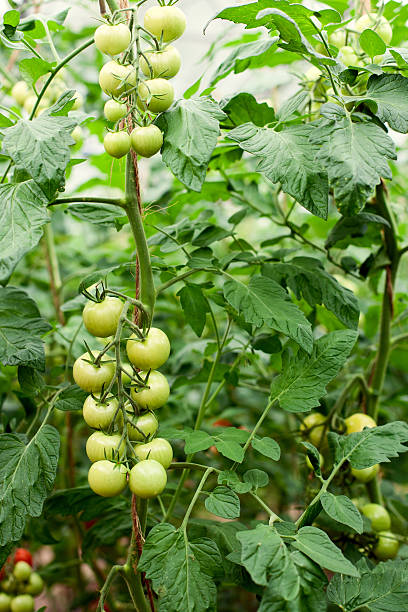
column 112, row 39
column 164, row 63
column 106, row 478
column 22, row 571
column 222, row 423
column 357, row 421
column 22, row 603
column 147, row 479
column 378, row 515
column 366, row 474
column 151, row 352
column 146, row 141
column 142, row 427
column 165, row 22
column 313, row 427
column 20, row 92
column 101, row 446
column 117, row 144
column 5, row 602
column 35, row 584
column 114, row 110
column 387, row 546
column 91, row 377
column 101, row 318
column 100, row 415
column 155, row 95
column 156, row 393
column 22, row 554
column 158, row 449
column 115, row 78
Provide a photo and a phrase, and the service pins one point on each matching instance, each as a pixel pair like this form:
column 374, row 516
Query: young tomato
column 22, row 571
column 366, row 474
column 155, row 95
column 380, row 25
column 349, row 57
column 77, row 134
column 147, row 479
column 378, row 515
column 165, row 22
column 101, row 446
column 144, row 426
column 106, row 478
column 20, row 92
column 5, row 601
column 313, row 427
column 112, row 39
column 115, row 78
column 90, row 377
column 22, row 554
column 114, row 111
column 146, row 141
column 387, row 546
column 100, row 415
column 101, row 318
column 155, row 395
column 357, row 422
column 22, row 603
column 117, row 144
column 35, row 584
column 150, row 353
column 158, row 449
column 338, row 38
column 165, row 63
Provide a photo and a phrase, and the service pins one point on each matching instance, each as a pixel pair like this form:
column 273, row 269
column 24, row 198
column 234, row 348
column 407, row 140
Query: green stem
column 273, row 517
column 178, row 279
column 195, row 497
column 112, row 5
column 91, row 199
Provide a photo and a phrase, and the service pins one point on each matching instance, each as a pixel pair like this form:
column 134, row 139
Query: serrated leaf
column 195, row 307
column 224, row 503
column 267, row 447
column 32, row 68
column 316, row 544
column 341, row 509
column 72, row 398
column 303, row 380
column 390, row 94
column 197, row 441
column 256, row 478
column 349, row 228
column 230, row 449
column 30, row 380
column 261, row 549
column 244, row 108
column 242, row 56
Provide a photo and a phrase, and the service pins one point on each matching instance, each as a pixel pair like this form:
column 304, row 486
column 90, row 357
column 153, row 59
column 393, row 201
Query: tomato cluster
column 130, row 96
column 19, row 583
column 121, row 405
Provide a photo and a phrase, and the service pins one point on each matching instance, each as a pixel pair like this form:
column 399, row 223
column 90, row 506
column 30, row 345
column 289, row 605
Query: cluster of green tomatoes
column 20, row 584
column 130, row 96
column 314, row 428
column 122, row 403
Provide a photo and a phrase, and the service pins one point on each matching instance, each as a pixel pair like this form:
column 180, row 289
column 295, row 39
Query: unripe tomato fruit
column 20, row 92
column 78, row 101
column 115, row 78
column 165, row 63
column 30, row 102
column 35, row 584
column 338, row 38
column 387, row 546
column 155, row 395
column 309, row 463
column 22, row 603
column 22, row 571
column 92, row 378
column 357, row 421
column 378, row 515
column 98, row 415
column 112, row 39
column 349, row 57
column 313, row 426
column 158, row 449
column 165, row 22
column 145, row 425
column 77, row 134
column 155, row 95
column 366, row 474
column 146, row 141
column 150, row 353
column 5, row 601
column 101, row 318
column 106, row 478
column 380, row 25
column 114, row 111
column 147, row 479
column 100, row 446
column 22, row 554
column 117, row 144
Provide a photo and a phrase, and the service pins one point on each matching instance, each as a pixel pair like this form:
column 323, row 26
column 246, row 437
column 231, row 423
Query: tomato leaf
column 371, row 43
column 267, row 447
column 261, row 550
column 197, row 441
column 316, row 544
column 195, row 307
column 72, row 398
column 253, row 54
column 32, row 68
column 243, row 108
column 390, row 94
column 341, row 509
column 223, row 502
column 230, row 449
column 231, row 479
column 256, row 478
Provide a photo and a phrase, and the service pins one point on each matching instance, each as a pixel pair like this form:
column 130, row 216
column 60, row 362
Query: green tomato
column 158, row 449
column 22, row 571
column 117, row 144
column 146, row 141
column 380, row 25
column 7, row 585
column 165, row 63
column 114, row 110
column 30, row 103
column 313, row 427
column 78, row 101
column 101, row 446
column 92, row 378
column 101, row 318
column 338, row 38
column 35, row 584
column 165, row 22
column 100, row 415
column 22, row 603
column 155, row 395
column 106, row 478
column 115, row 78
column 378, row 515
column 20, row 92
column 150, row 353
column 5, row 601
column 349, row 57
column 147, row 479
column 387, row 546
column 309, row 463
column 112, row 39
column 77, row 134
column 155, row 95
column 366, row 474
column 142, row 427
column 357, row 421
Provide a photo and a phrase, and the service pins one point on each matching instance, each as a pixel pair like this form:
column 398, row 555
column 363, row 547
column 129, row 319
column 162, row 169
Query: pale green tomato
column 387, row 546
column 158, row 449
column 146, row 141
column 145, row 426
column 338, row 38
column 92, row 378
column 115, row 78
column 380, row 25
column 101, row 318
column 22, row 603
column 77, row 134
column 112, row 39
column 98, row 415
column 117, row 144
column 166, row 23
column 349, row 57
column 35, row 584
column 165, row 63
column 357, row 422
column 5, row 601
column 313, row 74
column 366, row 474
column 30, row 103
column 20, row 92
column 378, row 515
column 155, row 95
column 155, row 395
column 147, row 479
column 22, row 571
column 101, row 446
column 114, row 110
column 313, row 427
column 106, row 478
column 78, row 101
column 150, row 353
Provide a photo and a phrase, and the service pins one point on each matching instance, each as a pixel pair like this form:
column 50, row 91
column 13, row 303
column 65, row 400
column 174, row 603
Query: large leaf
column 316, row 544
column 223, row 502
column 195, row 307
column 248, row 55
column 191, row 129
column 341, row 509
column 303, row 380
column 287, row 157
column 264, row 302
column 21, row 328
column 23, row 215
column 182, row 571
column 390, row 93
column 261, row 549
column 27, row 475
column 349, row 230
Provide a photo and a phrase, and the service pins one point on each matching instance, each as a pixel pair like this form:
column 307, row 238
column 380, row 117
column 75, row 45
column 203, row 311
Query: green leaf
column 371, row 43
column 24, row 213
column 256, row 478
column 195, row 307
column 242, row 58
column 264, row 302
column 390, row 94
column 267, row 447
column 314, row 457
column 224, row 503
column 303, row 380
column 355, row 156
column 316, row 544
column 261, row 549
column 244, row 108
column 30, row 380
column 182, row 571
column 27, row 475
column 288, row 157
column 191, row 129
column 21, row 329
column 348, row 229
column 231, row 479
column 230, row 449
column 98, row 214
column 289, row 108
column 197, row 441
column 72, row 398
column 341, row 509
column 31, row 69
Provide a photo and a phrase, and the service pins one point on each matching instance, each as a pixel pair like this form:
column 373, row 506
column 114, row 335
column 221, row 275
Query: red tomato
column 222, row 423
column 22, row 554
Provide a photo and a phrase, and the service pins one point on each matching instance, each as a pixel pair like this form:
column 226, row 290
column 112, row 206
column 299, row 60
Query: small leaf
column 224, row 503
column 230, row 449
column 72, row 398
column 197, row 441
column 371, row 43
column 341, row 509
column 256, row 478
column 267, row 447
column 231, row 479
column 195, row 307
